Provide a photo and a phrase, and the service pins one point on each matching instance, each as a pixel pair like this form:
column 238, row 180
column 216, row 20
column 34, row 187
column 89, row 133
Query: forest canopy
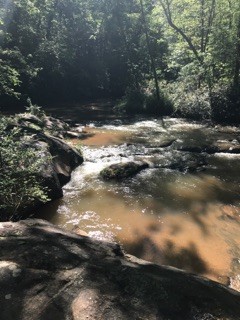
column 186, row 52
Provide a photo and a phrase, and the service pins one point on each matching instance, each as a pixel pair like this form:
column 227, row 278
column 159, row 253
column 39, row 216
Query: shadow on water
column 186, row 258
column 157, row 189
column 98, row 111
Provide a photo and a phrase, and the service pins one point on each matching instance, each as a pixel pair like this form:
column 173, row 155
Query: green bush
column 35, row 110
column 189, row 101
column 225, row 102
column 163, row 107
column 134, row 102
column 20, row 183
column 145, row 102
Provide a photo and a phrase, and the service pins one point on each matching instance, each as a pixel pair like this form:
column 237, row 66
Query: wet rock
column 60, row 160
column 194, row 149
column 175, row 160
column 65, row 158
column 72, row 134
column 226, row 146
column 47, row 172
column 191, row 166
column 220, row 146
column 162, row 144
column 47, row 273
column 79, row 232
column 123, row 170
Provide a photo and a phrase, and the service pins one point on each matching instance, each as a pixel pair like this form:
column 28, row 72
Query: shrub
column 225, row 103
column 20, row 183
column 145, row 102
column 190, row 102
column 35, row 110
column 134, row 101
column 163, row 107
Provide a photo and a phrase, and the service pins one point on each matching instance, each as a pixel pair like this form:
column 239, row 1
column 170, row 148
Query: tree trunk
column 153, row 66
column 237, row 59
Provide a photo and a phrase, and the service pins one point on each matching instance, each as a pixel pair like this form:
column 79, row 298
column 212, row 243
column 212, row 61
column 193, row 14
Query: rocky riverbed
column 181, row 209
column 168, row 194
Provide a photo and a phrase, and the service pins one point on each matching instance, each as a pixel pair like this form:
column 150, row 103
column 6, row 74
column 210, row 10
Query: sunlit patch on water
column 164, row 214
column 104, row 136
column 183, row 126
column 95, row 227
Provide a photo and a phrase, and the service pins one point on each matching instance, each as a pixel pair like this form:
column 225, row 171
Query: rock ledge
column 47, row 273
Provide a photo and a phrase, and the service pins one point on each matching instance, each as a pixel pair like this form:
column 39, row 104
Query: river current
column 183, row 211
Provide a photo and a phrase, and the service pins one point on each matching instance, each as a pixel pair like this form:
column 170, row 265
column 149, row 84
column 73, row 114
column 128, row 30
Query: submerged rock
column 123, row 170
column 220, row 146
column 47, row 273
column 165, row 143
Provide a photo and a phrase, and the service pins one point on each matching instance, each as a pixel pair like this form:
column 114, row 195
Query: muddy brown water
column 165, row 215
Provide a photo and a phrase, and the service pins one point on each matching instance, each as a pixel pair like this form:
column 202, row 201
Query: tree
column 154, row 71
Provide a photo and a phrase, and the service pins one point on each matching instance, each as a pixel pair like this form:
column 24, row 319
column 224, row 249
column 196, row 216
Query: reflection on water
column 165, row 214
column 99, row 137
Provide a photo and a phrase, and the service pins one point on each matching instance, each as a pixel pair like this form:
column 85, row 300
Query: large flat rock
column 49, row 274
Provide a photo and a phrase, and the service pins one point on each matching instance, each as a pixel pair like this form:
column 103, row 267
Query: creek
column 183, row 211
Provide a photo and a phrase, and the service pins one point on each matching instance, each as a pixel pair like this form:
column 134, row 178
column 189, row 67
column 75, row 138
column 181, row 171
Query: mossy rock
column 121, row 171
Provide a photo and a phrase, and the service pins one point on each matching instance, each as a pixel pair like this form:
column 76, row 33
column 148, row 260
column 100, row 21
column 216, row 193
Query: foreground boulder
column 123, row 170
column 47, row 273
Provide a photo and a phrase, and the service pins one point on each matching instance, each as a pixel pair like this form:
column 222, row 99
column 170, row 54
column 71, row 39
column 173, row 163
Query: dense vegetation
column 20, row 163
column 155, row 53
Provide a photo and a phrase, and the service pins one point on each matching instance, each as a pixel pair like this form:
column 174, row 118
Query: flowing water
column 183, row 211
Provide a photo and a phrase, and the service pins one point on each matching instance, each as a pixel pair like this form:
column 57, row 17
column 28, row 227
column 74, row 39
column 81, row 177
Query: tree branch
column 167, row 12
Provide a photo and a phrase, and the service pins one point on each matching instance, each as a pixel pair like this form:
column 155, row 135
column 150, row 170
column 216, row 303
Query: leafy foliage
column 9, row 76
column 56, row 50
column 145, row 101
column 35, row 110
column 20, row 184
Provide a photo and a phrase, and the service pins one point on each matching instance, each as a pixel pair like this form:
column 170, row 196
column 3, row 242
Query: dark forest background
column 156, row 56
